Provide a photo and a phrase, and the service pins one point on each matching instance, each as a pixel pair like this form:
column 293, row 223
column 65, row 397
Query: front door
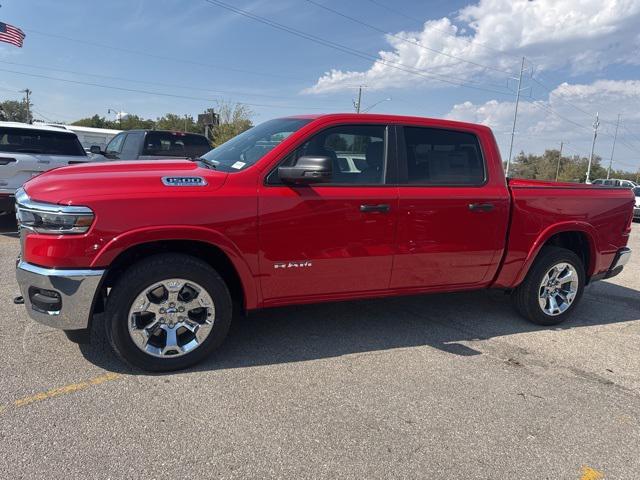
column 328, row 239
column 452, row 217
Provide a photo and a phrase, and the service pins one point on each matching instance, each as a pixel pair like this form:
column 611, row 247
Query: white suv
column 28, row 150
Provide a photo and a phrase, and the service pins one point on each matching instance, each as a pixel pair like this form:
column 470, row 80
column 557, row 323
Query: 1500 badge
column 304, row 264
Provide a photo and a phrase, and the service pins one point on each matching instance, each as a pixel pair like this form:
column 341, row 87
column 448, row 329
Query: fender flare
column 571, row 226
column 132, row 238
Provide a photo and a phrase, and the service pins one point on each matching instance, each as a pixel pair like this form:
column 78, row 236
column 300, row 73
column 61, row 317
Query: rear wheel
column 552, row 287
column 168, row 312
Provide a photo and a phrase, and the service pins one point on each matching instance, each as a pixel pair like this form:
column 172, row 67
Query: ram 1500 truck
column 298, row 210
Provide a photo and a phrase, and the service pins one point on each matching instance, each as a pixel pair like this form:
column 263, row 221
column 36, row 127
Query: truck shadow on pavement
column 441, row 321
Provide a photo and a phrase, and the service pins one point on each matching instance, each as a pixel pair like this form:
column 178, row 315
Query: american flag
column 11, row 34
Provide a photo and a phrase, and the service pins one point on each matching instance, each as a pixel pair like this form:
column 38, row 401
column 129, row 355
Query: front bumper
column 636, row 212
column 58, row 298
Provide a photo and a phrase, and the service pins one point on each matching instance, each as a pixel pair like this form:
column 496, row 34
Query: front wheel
column 552, row 288
column 168, row 312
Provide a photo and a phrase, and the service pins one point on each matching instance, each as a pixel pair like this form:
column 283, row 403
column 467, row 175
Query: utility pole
column 559, row 159
column 596, row 124
column 27, row 92
column 613, row 147
column 357, row 103
column 515, row 117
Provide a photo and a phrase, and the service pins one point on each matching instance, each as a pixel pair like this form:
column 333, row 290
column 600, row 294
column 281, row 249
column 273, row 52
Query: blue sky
column 439, row 59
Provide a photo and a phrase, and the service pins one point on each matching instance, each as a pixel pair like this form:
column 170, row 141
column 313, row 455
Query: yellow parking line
column 589, row 473
column 71, row 388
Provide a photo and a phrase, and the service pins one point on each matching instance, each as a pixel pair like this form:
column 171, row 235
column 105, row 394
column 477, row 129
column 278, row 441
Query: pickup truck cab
column 298, row 210
column 153, row 145
column 28, row 150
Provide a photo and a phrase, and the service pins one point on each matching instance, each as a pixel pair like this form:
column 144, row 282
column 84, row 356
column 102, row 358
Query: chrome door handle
column 382, row 207
column 481, row 207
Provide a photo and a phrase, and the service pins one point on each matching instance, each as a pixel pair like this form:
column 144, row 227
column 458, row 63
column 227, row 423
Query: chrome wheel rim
column 171, row 318
column 558, row 289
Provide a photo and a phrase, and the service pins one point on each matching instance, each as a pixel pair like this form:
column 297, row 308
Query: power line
column 109, row 77
column 161, row 94
column 418, row 44
column 160, row 57
column 346, row 49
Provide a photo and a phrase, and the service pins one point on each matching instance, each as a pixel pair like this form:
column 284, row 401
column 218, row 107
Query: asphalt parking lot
column 443, row 386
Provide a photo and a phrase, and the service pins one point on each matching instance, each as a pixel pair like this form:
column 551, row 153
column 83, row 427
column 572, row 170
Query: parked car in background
column 28, row 150
column 636, row 208
column 300, row 210
column 90, row 136
column 614, row 182
column 153, row 145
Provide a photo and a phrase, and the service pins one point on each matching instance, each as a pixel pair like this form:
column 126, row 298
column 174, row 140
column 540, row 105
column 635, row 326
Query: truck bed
column 542, row 209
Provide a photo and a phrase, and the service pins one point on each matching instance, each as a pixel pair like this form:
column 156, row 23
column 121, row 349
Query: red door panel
column 316, row 241
column 444, row 243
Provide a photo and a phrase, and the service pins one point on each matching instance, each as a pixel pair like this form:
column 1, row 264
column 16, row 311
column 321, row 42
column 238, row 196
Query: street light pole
column 515, row 117
column 358, row 103
column 596, row 124
column 613, row 147
column 559, row 159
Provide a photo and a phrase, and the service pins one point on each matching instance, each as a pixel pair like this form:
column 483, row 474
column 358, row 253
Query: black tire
column 525, row 296
column 147, row 272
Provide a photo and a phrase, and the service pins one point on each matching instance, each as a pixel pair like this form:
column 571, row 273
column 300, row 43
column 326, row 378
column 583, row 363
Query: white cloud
column 576, row 105
column 585, row 35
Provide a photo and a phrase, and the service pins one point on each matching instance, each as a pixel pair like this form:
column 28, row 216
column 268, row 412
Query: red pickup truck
column 304, row 209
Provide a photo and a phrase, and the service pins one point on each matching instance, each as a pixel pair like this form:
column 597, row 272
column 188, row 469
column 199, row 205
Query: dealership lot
column 443, row 386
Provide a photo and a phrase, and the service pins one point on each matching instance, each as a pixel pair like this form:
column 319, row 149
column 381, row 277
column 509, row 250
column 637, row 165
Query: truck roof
column 390, row 118
column 36, row 126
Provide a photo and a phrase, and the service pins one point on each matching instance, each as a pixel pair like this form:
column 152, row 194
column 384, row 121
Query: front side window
column 115, row 145
column 23, row 140
column 357, row 152
column 246, row 149
column 442, row 157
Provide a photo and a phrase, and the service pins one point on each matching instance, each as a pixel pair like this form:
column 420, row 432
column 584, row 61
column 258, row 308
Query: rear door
column 452, row 217
column 25, row 153
column 331, row 239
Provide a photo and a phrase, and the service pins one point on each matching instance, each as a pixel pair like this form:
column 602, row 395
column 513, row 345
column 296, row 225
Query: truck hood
column 77, row 184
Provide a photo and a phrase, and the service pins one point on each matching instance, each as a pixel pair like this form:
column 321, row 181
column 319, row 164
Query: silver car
column 28, row 150
column 636, row 207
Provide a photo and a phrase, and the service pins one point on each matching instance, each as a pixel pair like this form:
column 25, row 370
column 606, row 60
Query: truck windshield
column 245, row 149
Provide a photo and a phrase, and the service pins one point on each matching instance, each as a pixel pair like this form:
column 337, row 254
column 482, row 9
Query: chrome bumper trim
column 77, row 289
column 622, row 258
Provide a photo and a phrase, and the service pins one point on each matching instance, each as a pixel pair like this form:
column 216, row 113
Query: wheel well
column 211, row 254
column 577, row 242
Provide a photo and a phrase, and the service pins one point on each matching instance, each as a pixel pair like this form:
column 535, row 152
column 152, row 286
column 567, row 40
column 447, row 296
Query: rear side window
column 442, row 157
column 175, row 144
column 22, row 140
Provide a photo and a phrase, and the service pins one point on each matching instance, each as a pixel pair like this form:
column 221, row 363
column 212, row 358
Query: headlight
column 50, row 218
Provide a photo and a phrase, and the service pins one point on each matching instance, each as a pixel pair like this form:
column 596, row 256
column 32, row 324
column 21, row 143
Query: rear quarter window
column 174, row 144
column 19, row 140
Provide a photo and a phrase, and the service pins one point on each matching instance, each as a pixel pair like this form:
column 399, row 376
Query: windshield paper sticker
column 238, row 165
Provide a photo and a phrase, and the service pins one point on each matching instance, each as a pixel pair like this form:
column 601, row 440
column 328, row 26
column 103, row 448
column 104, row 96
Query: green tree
column 233, row 119
column 13, row 111
column 182, row 123
column 95, row 122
